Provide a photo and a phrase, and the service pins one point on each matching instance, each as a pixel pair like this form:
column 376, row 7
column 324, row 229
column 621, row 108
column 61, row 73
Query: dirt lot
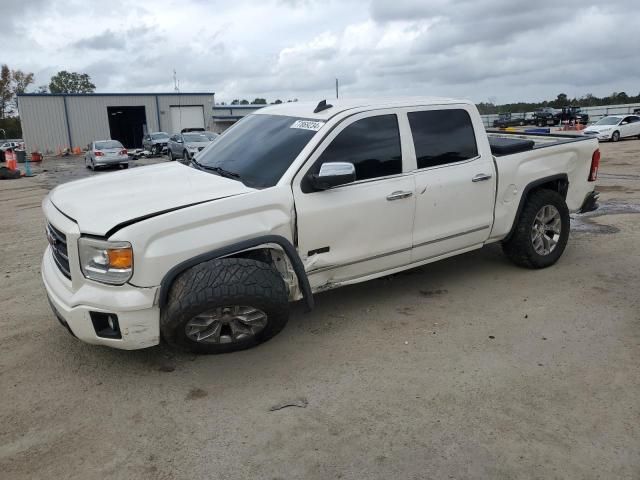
column 468, row 368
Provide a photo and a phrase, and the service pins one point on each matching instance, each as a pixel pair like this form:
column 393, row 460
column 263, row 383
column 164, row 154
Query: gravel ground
column 467, row 368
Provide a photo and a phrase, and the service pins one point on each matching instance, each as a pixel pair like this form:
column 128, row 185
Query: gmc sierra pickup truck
column 296, row 199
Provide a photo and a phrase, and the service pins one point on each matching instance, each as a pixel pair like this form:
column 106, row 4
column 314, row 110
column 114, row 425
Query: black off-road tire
column 220, row 283
column 615, row 136
column 519, row 247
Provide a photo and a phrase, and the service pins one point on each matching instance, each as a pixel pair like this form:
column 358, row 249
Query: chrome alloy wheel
column 546, row 229
column 231, row 324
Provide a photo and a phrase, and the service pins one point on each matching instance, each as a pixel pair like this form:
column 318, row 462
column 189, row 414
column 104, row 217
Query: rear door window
column 442, row 136
column 371, row 144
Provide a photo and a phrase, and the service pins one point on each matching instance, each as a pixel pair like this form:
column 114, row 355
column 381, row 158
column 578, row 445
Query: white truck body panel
column 171, row 213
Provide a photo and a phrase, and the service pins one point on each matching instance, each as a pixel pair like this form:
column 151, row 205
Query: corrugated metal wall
column 165, row 102
column 89, row 121
column 44, row 123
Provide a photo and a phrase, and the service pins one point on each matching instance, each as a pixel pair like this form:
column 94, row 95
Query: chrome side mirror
column 333, row 174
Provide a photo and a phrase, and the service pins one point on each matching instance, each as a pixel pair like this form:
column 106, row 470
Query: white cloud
column 296, row 48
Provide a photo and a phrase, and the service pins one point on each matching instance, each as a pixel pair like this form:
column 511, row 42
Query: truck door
column 363, row 227
column 455, row 182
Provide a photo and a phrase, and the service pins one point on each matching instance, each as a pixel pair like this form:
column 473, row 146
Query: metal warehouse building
column 51, row 122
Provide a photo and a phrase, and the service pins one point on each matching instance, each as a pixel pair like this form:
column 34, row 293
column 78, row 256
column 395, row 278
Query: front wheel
column 615, row 136
column 225, row 305
column 170, row 153
column 185, row 157
column 541, row 231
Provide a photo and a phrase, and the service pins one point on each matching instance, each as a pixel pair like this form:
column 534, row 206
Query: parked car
column 296, row 199
column 509, row 120
column 103, row 153
column 186, row 145
column 211, row 135
column 615, row 127
column 574, row 114
column 547, row 116
column 155, row 142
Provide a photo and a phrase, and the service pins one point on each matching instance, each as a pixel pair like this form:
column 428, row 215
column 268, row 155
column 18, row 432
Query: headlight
column 106, row 262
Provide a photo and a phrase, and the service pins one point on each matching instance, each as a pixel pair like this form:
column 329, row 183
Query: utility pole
column 336, row 88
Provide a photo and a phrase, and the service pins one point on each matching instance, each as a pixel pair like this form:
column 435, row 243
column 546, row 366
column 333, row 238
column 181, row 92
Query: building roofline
column 251, row 105
column 146, row 94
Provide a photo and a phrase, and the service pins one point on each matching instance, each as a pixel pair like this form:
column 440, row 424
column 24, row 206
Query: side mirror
column 333, row 174
column 624, row 123
column 179, row 140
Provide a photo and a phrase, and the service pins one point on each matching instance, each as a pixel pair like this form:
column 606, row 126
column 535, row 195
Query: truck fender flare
column 530, row 186
column 286, row 245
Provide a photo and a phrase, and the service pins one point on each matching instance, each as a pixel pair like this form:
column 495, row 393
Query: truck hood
column 100, row 203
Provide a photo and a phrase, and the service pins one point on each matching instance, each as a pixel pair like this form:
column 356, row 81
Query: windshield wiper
column 220, row 171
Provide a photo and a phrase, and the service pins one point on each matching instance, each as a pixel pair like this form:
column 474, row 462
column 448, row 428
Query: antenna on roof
column 322, row 105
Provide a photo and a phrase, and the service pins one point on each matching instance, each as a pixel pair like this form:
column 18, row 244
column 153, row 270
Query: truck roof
column 306, row 109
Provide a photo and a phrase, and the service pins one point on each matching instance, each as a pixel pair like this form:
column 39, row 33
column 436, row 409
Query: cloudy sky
column 485, row 50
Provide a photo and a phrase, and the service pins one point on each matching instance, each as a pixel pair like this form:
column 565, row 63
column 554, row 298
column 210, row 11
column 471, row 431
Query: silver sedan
column 106, row 153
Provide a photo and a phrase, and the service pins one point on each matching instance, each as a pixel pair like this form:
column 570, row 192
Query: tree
column 244, row 102
column 235, row 102
column 71, row 82
column 21, row 81
column 5, row 90
column 259, row 101
column 12, row 83
column 42, row 89
column 278, row 102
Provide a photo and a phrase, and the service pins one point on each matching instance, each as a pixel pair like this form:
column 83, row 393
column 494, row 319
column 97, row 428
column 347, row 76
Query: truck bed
column 521, row 159
column 507, row 143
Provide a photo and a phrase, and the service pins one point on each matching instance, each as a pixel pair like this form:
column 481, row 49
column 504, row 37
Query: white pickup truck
column 295, row 199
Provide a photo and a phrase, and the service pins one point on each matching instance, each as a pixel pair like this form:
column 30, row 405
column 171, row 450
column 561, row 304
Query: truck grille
column 58, row 243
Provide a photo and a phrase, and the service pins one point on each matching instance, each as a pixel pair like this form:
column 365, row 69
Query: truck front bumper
column 138, row 319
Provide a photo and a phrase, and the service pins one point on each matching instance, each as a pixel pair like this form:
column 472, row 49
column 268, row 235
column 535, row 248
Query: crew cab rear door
column 455, row 180
column 363, row 227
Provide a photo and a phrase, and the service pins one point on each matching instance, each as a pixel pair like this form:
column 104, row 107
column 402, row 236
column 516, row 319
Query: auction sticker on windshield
column 307, row 125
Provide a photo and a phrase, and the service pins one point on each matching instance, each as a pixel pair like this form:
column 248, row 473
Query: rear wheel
column 170, row 153
column 185, row 156
column 225, row 305
column 541, row 232
column 615, row 136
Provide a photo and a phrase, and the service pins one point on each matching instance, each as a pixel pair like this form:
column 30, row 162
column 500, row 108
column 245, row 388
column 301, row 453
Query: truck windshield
column 258, row 149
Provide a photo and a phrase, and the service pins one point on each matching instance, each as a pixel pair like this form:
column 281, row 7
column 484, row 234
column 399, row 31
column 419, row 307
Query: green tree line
column 562, row 100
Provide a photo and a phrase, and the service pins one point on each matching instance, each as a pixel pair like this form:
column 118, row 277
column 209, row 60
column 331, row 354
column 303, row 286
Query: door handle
column 481, row 177
column 398, row 195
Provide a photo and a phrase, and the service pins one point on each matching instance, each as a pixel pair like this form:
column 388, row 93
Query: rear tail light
column 595, row 165
column 99, row 154
column 123, row 152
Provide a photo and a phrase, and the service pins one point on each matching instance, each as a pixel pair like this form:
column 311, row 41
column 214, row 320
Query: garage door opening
column 126, row 124
column 186, row 116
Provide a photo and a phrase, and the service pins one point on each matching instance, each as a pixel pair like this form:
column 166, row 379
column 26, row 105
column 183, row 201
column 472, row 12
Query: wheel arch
column 558, row 183
column 245, row 249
